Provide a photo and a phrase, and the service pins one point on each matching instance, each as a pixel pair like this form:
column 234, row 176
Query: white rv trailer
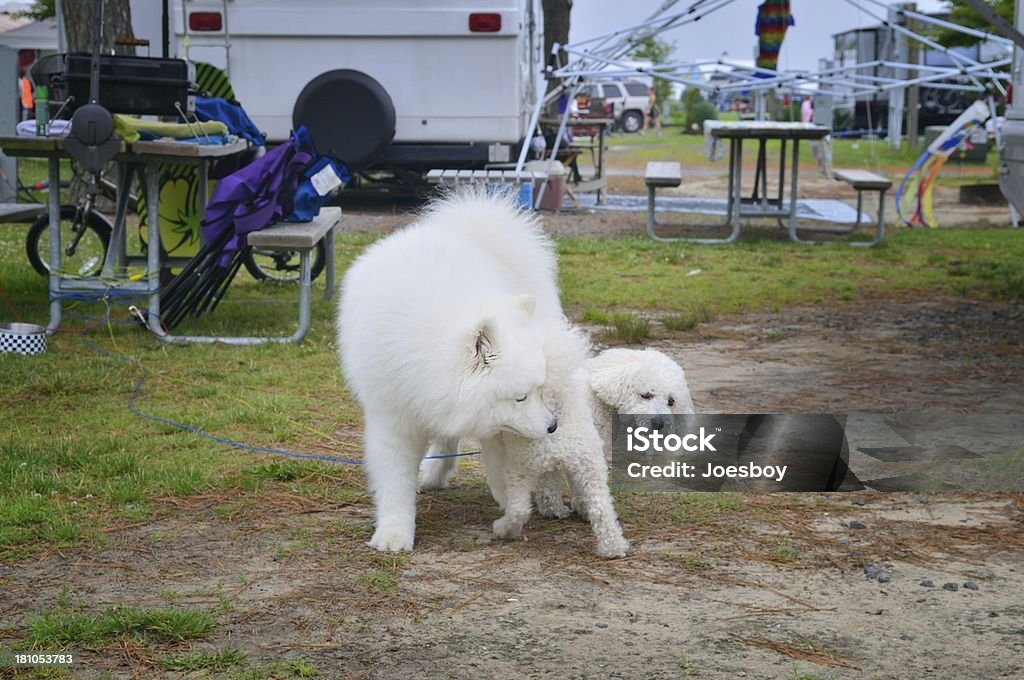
column 461, row 75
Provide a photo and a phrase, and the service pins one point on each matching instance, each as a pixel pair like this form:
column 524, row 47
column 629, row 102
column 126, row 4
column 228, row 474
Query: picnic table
column 759, row 203
column 146, row 157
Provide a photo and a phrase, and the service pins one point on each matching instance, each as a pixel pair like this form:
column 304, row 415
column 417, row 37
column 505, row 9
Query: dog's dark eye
column 647, row 395
column 671, row 401
column 522, row 398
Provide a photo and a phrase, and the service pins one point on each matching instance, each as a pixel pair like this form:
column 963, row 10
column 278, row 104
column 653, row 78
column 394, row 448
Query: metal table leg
column 329, row 268
column 879, row 226
column 55, row 245
column 736, row 181
column 759, row 176
column 117, row 255
column 152, row 171
column 735, row 202
column 782, row 172
column 793, row 196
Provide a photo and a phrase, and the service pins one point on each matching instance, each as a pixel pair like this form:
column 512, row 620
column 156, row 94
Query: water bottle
column 42, row 110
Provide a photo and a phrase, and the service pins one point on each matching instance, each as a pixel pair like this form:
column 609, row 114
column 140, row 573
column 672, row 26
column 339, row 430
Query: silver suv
column 628, row 99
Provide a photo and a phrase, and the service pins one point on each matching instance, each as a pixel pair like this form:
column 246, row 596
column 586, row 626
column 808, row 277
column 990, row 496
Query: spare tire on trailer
column 348, row 114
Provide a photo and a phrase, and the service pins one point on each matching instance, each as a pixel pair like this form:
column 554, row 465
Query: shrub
column 701, row 111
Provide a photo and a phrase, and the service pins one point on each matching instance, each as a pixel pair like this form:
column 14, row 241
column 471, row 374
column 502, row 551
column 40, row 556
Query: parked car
column 628, row 99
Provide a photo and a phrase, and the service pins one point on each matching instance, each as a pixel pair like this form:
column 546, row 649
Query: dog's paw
column 506, row 528
column 554, row 512
column 552, row 509
column 617, row 547
column 580, row 508
column 389, row 540
column 430, row 482
column 433, row 475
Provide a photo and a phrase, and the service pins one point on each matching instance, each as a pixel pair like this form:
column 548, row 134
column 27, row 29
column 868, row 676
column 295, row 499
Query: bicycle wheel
column 89, row 251
column 276, row 265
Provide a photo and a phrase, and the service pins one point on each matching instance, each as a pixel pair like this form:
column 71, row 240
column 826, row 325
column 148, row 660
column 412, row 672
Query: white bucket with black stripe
column 22, row 338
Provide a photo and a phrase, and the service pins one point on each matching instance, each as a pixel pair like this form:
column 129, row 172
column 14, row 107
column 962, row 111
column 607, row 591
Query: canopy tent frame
column 602, row 56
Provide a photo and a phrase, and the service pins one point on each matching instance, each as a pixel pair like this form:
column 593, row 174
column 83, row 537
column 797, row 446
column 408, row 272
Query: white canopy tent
column 603, row 57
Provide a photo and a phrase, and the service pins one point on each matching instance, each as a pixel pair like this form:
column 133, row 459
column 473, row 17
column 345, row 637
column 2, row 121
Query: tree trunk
column 556, row 28
column 117, row 23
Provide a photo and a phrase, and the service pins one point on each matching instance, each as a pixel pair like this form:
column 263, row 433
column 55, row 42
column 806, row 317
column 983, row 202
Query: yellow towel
column 129, row 127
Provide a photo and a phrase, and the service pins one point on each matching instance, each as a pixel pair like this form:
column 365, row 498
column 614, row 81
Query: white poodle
column 514, row 465
column 642, row 382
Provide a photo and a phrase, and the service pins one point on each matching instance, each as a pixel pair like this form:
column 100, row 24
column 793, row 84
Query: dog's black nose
column 657, row 423
column 553, row 426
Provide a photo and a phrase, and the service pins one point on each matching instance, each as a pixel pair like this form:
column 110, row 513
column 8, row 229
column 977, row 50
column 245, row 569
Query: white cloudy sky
column 731, row 29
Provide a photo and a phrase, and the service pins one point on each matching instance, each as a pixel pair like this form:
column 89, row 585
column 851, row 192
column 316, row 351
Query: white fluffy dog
column 636, row 382
column 620, row 381
column 441, row 336
column 576, row 450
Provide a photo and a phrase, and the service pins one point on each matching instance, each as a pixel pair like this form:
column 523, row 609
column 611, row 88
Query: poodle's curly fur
column 515, row 466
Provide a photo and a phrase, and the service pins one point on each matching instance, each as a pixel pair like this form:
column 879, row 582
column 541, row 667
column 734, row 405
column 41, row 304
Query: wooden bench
column 302, row 237
column 659, row 175
column 861, row 181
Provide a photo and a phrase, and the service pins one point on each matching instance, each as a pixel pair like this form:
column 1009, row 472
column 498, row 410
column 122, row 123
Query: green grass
column 627, row 328
column 64, row 628
column 688, row 149
column 688, row 561
column 786, row 554
column 602, row 275
column 189, row 662
column 380, row 580
column 699, row 508
column 384, row 577
column 686, row 667
column 74, row 459
column 688, row 319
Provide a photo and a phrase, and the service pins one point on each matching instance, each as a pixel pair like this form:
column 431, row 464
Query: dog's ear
column 608, row 377
column 527, row 303
column 482, row 349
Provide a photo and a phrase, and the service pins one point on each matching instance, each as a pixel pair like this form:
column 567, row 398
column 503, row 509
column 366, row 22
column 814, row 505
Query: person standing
column 807, row 109
column 652, row 113
column 25, row 94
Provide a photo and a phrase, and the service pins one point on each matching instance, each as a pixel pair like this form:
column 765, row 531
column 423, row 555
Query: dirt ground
column 734, row 586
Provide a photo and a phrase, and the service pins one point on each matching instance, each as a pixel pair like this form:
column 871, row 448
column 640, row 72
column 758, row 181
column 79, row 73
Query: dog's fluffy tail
column 566, row 349
column 511, row 236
